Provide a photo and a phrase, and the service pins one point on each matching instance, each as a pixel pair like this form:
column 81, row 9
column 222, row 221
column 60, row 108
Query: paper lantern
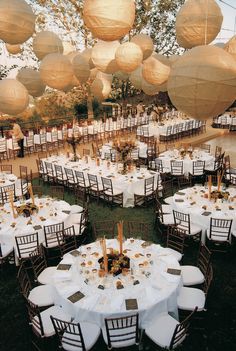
column 149, row 89
column 100, row 88
column 202, row 83
column 14, row 97
column 145, row 43
column 67, row 47
column 155, row 72
column 104, row 76
column 87, row 55
column 136, row 77
column 75, row 82
column 198, row 22
column 45, row 43
column 173, row 59
column 81, row 68
column 108, row 19
column 56, row 71
column 230, row 46
column 32, row 81
column 163, row 59
column 13, row 49
column 128, row 57
column 103, row 56
column 17, row 21
column 93, row 74
column 122, row 75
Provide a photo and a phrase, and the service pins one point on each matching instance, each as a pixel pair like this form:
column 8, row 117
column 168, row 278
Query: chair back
column 181, row 331
column 70, row 175
column 93, row 182
column 208, row 279
column 140, row 229
column 38, row 261
column 198, row 167
column 107, row 185
column 204, row 257
column 176, row 168
column 220, row 229
column 158, row 165
column 49, row 169
column 175, row 238
column 69, row 334
column 122, row 330
column 101, row 227
column 57, row 191
column 59, row 171
column 3, row 145
column 182, row 220
column 26, row 244
column 80, row 179
column 6, row 169
column 6, row 193
column 70, row 240
column 53, row 234
column 149, row 186
column 24, row 280
column 35, row 319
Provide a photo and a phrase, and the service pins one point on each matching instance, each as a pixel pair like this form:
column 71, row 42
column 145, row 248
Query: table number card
column 63, row 267
column 78, row 295
column 174, row 271
column 66, row 211
column 179, row 200
column 180, row 193
column 206, row 213
column 37, row 227
column 131, row 304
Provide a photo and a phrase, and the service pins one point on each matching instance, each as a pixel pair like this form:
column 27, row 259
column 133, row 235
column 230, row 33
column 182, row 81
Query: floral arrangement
column 124, row 147
column 220, row 195
column 116, row 262
column 27, row 209
column 73, row 141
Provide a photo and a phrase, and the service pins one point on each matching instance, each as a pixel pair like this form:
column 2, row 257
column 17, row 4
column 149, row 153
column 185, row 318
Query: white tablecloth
column 174, row 155
column 7, row 179
column 127, row 184
column 156, row 291
column 140, row 145
column 194, row 202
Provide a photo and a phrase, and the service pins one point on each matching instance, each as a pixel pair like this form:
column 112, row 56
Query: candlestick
column 31, row 193
column 105, row 259
column 12, row 204
column 209, row 186
column 120, row 235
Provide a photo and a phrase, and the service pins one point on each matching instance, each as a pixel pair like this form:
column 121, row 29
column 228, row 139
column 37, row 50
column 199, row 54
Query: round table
column 50, row 212
column 7, row 179
column 195, row 202
column 127, row 184
column 148, row 282
column 174, row 155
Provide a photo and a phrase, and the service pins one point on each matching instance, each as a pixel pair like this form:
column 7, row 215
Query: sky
column 227, row 31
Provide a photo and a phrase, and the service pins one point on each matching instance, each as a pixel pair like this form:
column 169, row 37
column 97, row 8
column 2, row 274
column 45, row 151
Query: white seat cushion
column 166, row 208
column 168, row 219
column 90, row 332
column 76, row 209
column 169, row 200
column 194, row 229
column 56, row 312
column 161, row 330
column 191, row 275
column 45, row 277
column 189, row 298
column 115, row 192
column 175, row 253
column 42, row 295
column 217, row 237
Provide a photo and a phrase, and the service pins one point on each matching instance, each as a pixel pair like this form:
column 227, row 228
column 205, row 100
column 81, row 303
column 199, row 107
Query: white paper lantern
column 17, row 21
column 198, row 22
column 136, row 77
column 108, row 19
column 87, row 55
column 145, row 43
column 75, row 82
column 128, row 57
column 32, row 81
column 45, row 43
column 154, row 71
column 122, row 75
column 100, row 88
column 13, row 49
column 230, row 46
column 56, row 71
column 104, row 76
column 202, row 83
column 81, row 68
column 173, row 59
column 103, row 56
column 67, row 47
column 14, row 97
column 149, row 89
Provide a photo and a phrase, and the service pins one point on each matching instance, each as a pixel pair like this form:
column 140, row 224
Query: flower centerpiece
column 116, row 262
column 124, row 148
column 27, row 209
column 73, row 141
column 220, row 195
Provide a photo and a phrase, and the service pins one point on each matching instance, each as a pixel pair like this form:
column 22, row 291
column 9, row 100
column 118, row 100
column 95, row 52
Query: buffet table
column 195, row 202
column 127, row 183
column 145, row 287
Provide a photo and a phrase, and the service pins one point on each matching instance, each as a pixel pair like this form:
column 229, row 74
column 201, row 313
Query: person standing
column 17, row 133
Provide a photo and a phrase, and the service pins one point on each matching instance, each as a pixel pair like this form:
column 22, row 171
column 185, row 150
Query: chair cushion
column 115, row 192
column 168, row 219
column 194, row 229
column 216, row 237
column 175, row 253
column 166, row 208
column 169, row 200
column 56, row 312
column 42, row 295
column 45, row 277
column 90, row 332
column 189, row 298
column 161, row 330
column 76, row 209
column 191, row 275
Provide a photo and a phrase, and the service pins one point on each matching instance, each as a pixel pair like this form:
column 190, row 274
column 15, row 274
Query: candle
column 12, row 204
column 31, row 193
column 105, row 259
column 120, row 235
column 209, row 186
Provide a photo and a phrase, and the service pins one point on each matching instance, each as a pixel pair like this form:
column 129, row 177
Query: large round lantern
column 14, row 97
column 103, row 56
column 67, row 47
column 75, row 82
column 154, row 71
column 56, row 71
column 100, row 88
column 32, row 81
column 87, row 55
column 45, row 43
column 122, row 75
column 197, row 23
column 81, row 68
column 145, row 43
column 13, row 49
column 230, row 46
column 17, row 21
column 108, row 19
column 149, row 89
column 136, row 77
column 202, row 83
column 128, row 57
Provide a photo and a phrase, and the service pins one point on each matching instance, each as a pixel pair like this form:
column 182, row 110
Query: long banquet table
column 195, row 202
column 127, row 184
column 148, row 282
